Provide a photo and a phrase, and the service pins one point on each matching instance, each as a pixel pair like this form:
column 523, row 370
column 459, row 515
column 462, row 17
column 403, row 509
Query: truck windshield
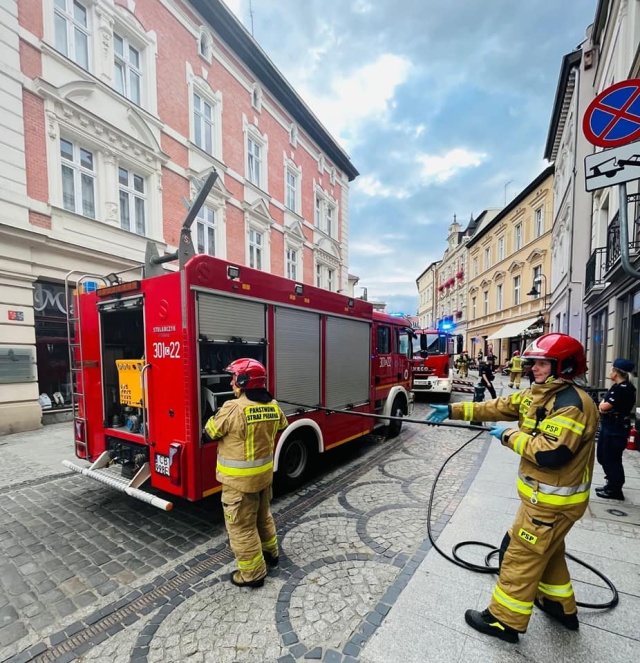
column 430, row 344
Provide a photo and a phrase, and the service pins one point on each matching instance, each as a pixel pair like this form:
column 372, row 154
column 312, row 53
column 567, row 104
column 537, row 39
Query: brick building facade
column 119, row 109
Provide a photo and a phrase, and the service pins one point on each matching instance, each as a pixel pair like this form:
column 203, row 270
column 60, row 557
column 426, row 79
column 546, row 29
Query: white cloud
column 370, row 185
column 444, row 167
column 364, row 94
column 372, row 248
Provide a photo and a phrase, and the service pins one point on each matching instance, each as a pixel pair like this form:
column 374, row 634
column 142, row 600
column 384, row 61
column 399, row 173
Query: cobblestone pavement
column 87, row 573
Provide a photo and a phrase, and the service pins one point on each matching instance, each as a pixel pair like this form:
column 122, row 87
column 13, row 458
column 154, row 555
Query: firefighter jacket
column 246, row 431
column 463, row 359
column 515, row 365
column 555, row 438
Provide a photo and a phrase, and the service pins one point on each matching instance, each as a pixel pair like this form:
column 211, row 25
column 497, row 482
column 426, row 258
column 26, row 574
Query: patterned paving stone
column 319, row 537
column 224, row 622
column 331, row 601
column 398, row 529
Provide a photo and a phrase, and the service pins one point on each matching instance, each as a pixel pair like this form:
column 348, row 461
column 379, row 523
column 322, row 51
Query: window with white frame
column 487, row 258
column 330, row 220
column 127, row 68
column 256, row 248
column 133, row 201
column 475, row 266
column 518, row 237
column 292, row 263
column 78, row 179
column 319, row 275
column 486, row 302
column 71, row 22
column 501, row 249
column 474, row 308
column 499, row 297
column 291, row 193
column 537, row 280
column 254, row 161
column 331, row 279
column 203, row 123
column 516, row 290
column 206, row 231
column 539, row 221
column 318, row 212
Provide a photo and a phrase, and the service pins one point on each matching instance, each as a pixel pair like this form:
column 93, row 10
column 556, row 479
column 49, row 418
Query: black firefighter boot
column 486, row 623
column 555, row 611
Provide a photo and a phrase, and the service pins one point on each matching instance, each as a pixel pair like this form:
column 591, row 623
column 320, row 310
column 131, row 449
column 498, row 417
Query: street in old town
column 90, row 574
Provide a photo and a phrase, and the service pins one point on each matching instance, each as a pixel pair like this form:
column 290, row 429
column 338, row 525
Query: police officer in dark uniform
column 486, row 377
column 615, row 409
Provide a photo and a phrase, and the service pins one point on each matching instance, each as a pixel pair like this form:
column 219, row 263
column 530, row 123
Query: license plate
column 162, row 464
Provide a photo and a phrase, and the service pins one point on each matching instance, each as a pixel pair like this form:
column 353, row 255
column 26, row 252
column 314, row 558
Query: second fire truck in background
column 432, row 369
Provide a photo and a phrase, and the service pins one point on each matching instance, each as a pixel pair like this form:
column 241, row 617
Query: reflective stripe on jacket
column 555, row 439
column 515, row 365
column 246, row 431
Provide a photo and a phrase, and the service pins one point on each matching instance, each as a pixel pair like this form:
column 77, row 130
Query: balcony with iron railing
column 604, row 260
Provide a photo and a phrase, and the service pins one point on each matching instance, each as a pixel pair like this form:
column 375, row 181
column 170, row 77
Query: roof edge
column 569, row 61
column 549, row 170
column 246, row 48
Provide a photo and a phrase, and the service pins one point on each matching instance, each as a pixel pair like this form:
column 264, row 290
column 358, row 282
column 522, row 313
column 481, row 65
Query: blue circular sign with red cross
column 613, row 117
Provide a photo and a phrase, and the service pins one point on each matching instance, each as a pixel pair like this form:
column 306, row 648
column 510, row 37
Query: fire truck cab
column 432, row 363
column 148, row 359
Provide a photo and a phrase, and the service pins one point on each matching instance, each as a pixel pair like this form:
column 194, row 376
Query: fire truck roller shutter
column 348, row 362
column 222, row 318
column 297, row 370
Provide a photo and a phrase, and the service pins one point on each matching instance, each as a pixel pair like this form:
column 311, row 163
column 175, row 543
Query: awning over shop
column 513, row 328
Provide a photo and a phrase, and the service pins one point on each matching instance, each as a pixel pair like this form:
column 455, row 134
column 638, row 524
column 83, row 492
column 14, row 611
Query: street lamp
column 534, row 292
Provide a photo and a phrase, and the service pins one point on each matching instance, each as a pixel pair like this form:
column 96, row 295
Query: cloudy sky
column 438, row 104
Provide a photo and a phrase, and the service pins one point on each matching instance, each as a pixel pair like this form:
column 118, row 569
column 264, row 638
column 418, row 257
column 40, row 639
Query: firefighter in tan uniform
column 246, row 429
column 515, row 370
column 557, row 423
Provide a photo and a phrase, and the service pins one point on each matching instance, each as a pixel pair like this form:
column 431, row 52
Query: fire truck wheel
column 397, row 410
column 294, row 462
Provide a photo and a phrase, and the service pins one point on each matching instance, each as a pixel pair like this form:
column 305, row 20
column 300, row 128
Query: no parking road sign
column 613, row 117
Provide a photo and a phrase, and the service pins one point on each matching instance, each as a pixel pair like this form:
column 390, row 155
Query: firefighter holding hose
column 246, row 429
column 557, row 423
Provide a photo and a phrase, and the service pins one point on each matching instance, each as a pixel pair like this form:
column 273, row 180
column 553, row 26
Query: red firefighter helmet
column 464, row 352
column 249, row 373
column 565, row 350
column 516, row 353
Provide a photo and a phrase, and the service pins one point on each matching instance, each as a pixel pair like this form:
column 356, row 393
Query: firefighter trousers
column 514, row 379
column 532, row 564
column 463, row 371
column 251, row 529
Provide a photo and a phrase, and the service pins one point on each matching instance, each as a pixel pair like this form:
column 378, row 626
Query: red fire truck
column 148, row 358
column 432, row 363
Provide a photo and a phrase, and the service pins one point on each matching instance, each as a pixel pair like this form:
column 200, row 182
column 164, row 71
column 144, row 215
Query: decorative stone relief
column 52, row 125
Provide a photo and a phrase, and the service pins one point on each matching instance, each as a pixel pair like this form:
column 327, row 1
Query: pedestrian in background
column 557, row 423
column 486, row 378
column 615, row 410
column 245, row 429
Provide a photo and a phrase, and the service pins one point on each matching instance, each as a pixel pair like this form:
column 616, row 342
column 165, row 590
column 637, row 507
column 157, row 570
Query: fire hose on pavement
column 493, row 551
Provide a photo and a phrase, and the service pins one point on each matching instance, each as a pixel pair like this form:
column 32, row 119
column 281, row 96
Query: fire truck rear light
column 175, row 463
column 233, row 272
column 79, row 431
column 298, row 289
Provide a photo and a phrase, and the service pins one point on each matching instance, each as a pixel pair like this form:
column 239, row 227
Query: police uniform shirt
column 622, row 397
column 486, row 370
